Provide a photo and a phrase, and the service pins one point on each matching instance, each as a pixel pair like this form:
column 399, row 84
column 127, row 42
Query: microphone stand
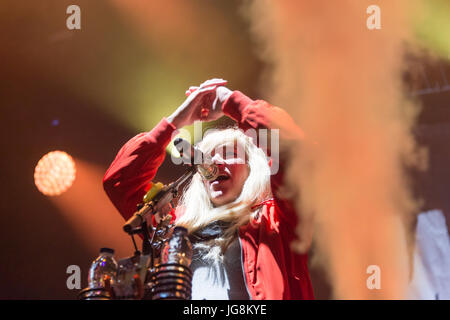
column 138, row 223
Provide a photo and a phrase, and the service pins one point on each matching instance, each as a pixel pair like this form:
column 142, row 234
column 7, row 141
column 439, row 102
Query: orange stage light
column 54, row 173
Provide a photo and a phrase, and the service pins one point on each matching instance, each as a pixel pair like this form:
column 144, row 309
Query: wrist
column 223, row 93
column 175, row 120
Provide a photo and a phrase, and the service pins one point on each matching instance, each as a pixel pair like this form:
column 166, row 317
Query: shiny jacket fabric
column 271, row 269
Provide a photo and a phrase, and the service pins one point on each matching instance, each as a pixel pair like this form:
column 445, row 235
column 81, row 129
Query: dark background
column 115, row 77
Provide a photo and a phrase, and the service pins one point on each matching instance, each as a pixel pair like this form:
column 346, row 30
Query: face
column 233, row 172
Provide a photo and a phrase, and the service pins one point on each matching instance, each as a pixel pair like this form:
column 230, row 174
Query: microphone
column 194, row 156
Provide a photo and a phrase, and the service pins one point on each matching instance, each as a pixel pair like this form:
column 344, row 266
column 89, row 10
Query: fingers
column 214, row 104
column 199, row 90
column 212, row 83
column 206, row 102
column 201, row 94
column 210, row 104
column 158, row 216
column 203, row 101
column 190, row 90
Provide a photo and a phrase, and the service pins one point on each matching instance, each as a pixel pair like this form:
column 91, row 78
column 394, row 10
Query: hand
column 222, row 93
column 164, row 211
column 202, row 104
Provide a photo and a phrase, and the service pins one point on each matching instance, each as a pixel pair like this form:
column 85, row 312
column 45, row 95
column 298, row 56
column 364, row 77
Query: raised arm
column 128, row 177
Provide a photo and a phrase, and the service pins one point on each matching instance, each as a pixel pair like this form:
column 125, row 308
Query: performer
column 241, row 227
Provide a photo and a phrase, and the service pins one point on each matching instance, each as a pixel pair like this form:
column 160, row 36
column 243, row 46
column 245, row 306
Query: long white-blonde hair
column 198, row 208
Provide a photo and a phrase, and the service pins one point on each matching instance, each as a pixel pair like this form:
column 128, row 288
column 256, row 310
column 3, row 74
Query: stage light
column 54, row 173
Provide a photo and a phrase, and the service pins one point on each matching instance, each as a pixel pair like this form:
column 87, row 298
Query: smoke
column 342, row 83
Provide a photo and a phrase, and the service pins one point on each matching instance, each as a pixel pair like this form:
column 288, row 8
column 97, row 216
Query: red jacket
column 272, row 270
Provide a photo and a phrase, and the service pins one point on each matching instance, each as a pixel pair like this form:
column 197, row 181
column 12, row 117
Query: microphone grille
column 209, row 172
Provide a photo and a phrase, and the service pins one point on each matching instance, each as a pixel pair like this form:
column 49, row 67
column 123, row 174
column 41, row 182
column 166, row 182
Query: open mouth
column 222, row 177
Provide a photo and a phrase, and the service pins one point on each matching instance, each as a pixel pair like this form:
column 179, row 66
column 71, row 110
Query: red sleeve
column 127, row 179
column 259, row 114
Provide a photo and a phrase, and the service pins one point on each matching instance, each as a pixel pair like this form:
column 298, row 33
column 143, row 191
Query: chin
column 219, row 202
column 222, row 199
column 218, row 197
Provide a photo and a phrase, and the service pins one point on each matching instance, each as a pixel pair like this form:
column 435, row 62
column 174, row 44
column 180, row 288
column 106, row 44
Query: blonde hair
column 198, row 208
